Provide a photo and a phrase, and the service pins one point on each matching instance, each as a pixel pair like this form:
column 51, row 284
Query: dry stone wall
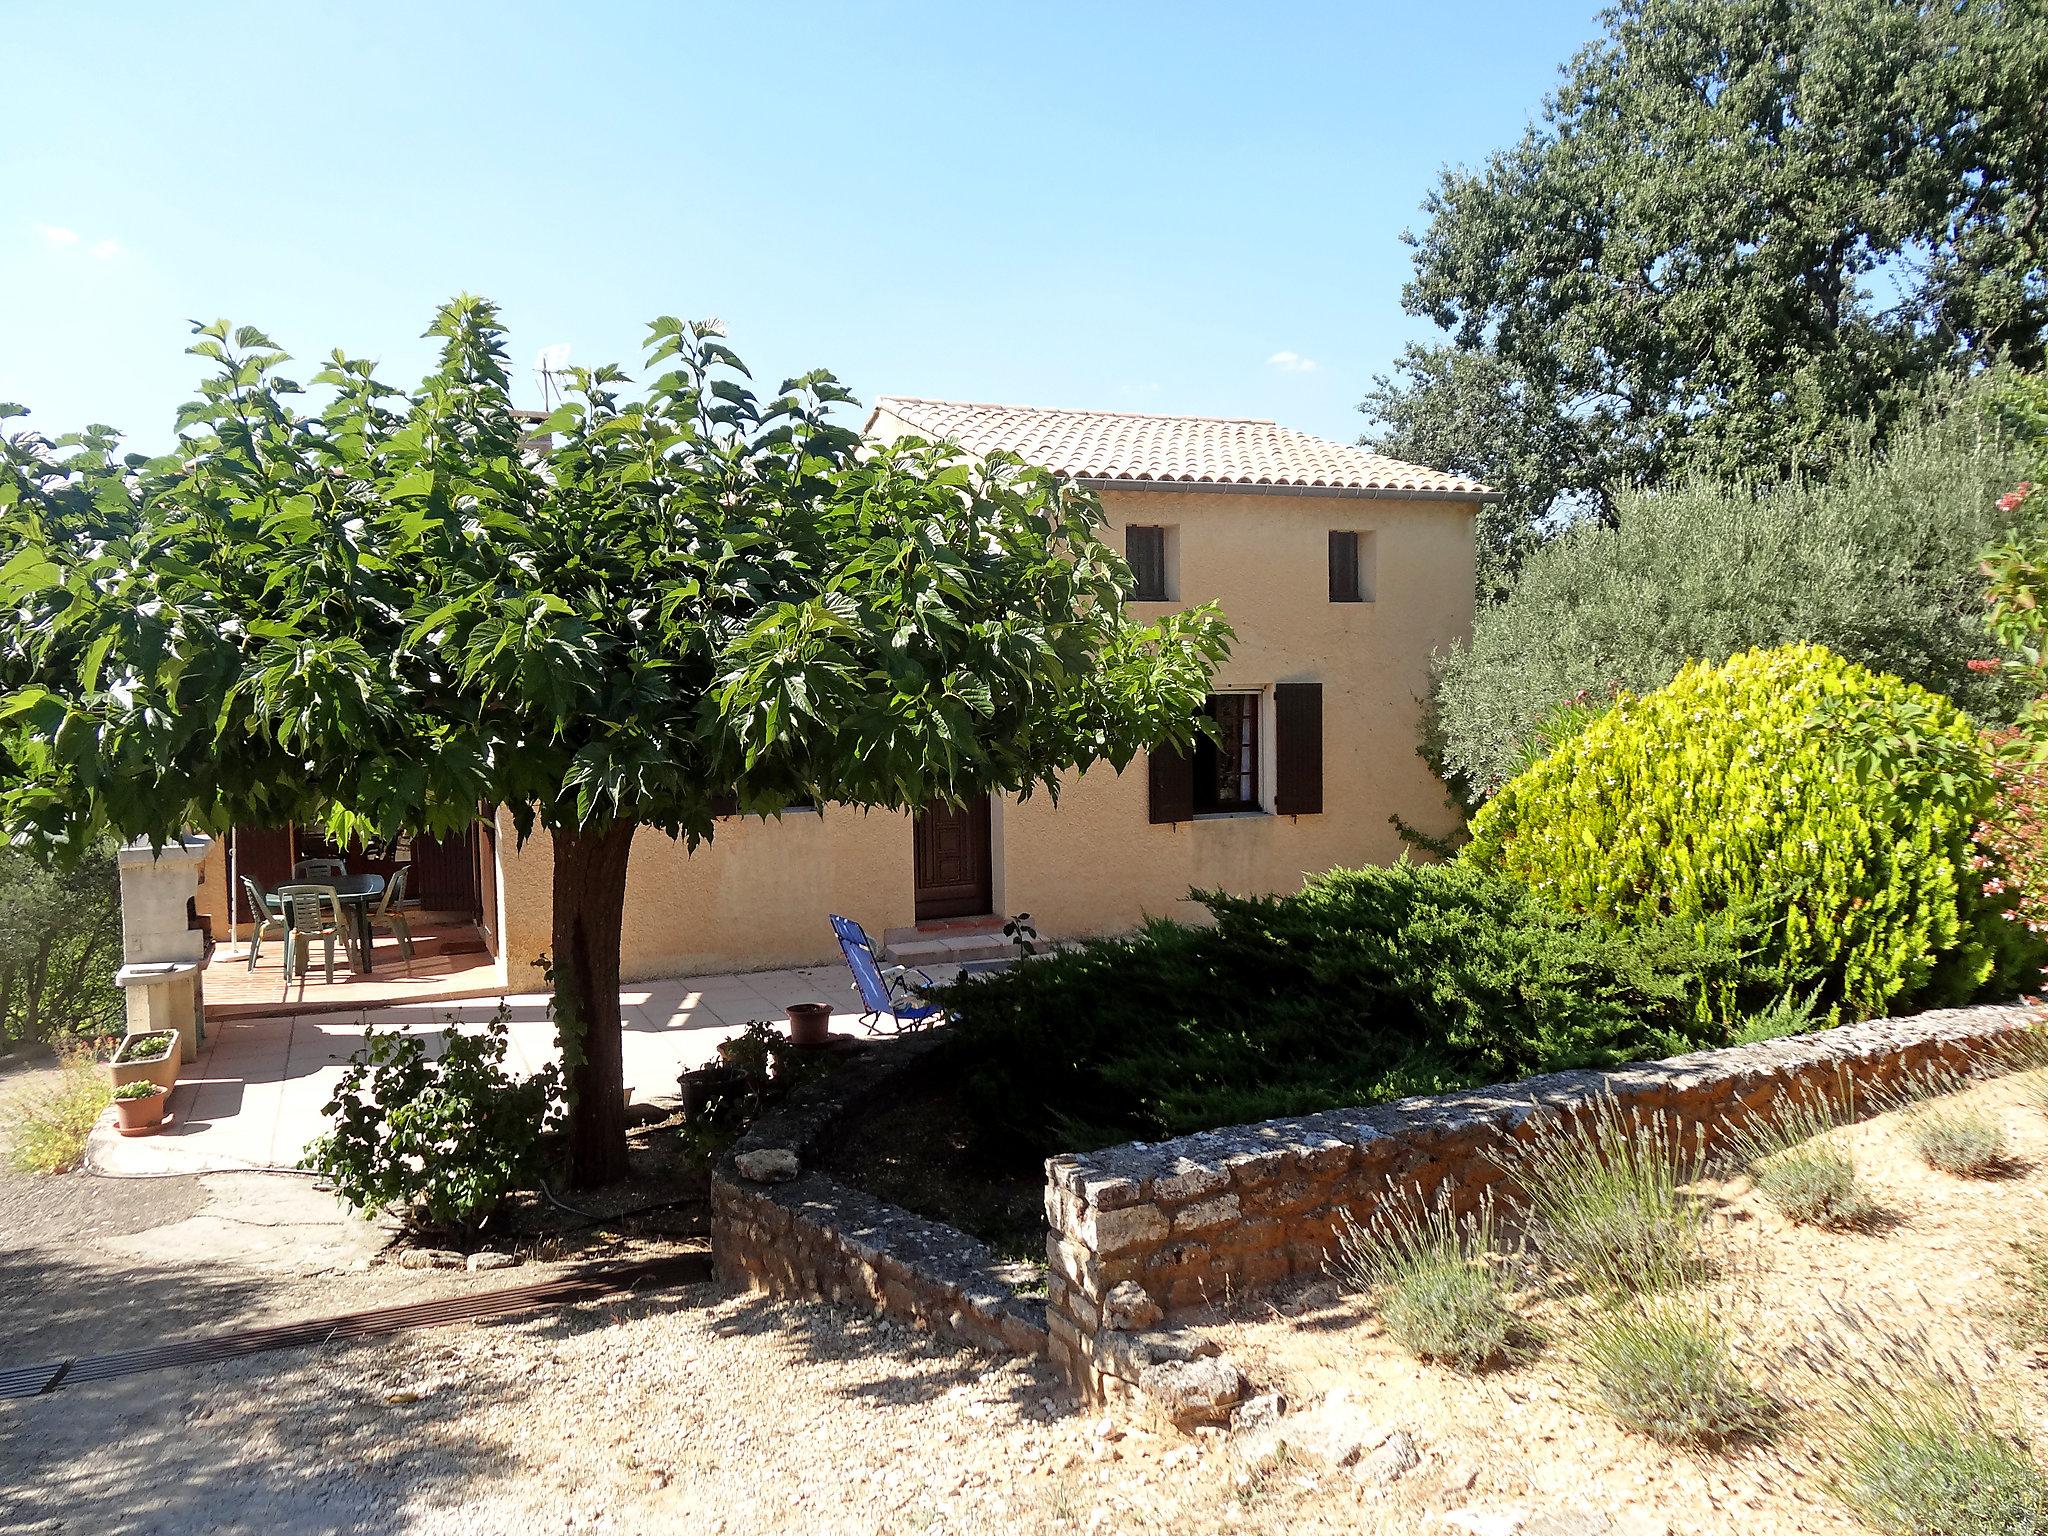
column 1142, row 1232
column 780, row 1229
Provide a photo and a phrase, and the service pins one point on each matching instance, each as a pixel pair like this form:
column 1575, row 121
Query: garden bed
column 915, row 1147
column 1938, row 1277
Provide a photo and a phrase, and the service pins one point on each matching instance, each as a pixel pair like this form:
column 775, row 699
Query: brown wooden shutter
column 1172, row 785
column 727, row 804
column 1298, row 748
column 1145, row 552
column 1344, row 567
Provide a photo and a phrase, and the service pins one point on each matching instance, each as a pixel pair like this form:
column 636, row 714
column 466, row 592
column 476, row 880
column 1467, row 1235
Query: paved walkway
column 255, row 1096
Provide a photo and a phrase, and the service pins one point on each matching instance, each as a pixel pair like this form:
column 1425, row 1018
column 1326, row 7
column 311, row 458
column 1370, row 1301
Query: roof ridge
column 1078, row 410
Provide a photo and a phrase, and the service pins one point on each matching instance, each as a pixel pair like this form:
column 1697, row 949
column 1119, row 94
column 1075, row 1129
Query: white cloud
column 56, row 234
column 1291, row 362
column 105, row 248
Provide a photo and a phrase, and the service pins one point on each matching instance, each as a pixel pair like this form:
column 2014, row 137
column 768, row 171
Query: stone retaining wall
column 1155, row 1229
column 802, row 1235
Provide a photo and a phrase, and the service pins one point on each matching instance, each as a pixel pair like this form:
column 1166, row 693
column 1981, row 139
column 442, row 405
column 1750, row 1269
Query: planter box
column 163, row 1071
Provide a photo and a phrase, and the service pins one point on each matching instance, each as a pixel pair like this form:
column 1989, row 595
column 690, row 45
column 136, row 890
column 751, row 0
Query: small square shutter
column 727, row 804
column 1298, row 748
column 1172, row 795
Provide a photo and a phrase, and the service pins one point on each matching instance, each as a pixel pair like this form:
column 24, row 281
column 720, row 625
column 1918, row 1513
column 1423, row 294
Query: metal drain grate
column 678, row 1269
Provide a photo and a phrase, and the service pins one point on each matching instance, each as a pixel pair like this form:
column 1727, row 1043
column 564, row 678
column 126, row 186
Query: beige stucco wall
column 758, row 895
column 1095, row 864
column 211, row 899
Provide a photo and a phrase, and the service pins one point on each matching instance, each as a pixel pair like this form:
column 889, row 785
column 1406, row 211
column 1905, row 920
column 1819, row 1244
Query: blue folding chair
column 885, row 990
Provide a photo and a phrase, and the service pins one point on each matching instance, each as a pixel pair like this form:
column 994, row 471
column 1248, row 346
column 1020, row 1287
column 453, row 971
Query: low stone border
column 794, row 1233
column 1143, row 1231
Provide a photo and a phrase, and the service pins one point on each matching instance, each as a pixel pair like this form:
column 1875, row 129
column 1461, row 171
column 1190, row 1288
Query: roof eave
column 1267, row 488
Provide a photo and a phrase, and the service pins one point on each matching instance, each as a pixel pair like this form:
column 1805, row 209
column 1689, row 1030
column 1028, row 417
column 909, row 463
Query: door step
column 952, row 942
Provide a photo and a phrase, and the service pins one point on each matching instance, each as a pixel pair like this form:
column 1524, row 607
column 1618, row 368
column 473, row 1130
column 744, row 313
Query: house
column 1340, row 570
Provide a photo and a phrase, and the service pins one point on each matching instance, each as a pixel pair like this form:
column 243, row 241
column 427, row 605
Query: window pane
column 1227, row 770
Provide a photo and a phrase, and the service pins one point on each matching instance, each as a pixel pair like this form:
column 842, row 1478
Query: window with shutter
column 1298, row 749
column 1145, row 551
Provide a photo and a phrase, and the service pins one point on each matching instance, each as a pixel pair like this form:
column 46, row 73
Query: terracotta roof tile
column 1108, row 446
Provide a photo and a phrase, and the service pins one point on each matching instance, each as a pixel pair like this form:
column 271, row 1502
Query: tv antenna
column 547, row 367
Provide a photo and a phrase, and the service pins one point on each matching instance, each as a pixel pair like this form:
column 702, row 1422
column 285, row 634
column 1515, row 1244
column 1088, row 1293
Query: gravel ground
column 689, row 1410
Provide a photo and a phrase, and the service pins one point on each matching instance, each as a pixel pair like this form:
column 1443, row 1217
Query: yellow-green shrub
column 1837, row 801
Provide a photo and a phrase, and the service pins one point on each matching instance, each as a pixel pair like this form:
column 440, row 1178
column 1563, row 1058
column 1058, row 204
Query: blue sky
column 1117, row 205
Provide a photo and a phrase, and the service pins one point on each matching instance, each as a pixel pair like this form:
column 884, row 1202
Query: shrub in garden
column 1878, row 564
column 60, row 944
column 1667, row 1369
column 2026, row 1273
column 1433, row 1278
column 1912, row 1443
column 1837, row 799
column 1800, row 1166
column 443, row 1139
column 1606, row 1194
column 1962, row 1139
column 52, row 1124
column 2012, row 841
column 1363, row 986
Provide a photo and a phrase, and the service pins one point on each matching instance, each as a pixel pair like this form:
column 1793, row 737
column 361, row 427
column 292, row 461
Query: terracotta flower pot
column 140, row 1117
column 810, row 1023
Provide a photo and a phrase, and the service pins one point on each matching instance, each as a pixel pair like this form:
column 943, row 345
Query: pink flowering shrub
column 2011, row 841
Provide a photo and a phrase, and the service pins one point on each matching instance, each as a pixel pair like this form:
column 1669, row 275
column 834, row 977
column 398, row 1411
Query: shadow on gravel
column 59, row 1304
column 908, row 1366
column 307, row 1442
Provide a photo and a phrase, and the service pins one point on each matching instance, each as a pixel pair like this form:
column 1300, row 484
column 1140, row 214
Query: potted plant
column 151, row 1058
column 702, row 1087
column 139, row 1107
column 810, row 1023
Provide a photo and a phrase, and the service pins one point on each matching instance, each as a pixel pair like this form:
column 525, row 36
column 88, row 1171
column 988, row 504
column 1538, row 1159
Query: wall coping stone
column 1156, row 1172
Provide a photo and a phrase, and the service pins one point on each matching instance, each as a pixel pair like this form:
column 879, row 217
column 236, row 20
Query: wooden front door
column 953, row 861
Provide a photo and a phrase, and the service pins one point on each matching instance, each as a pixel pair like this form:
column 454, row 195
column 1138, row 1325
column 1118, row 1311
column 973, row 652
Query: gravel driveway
column 683, row 1410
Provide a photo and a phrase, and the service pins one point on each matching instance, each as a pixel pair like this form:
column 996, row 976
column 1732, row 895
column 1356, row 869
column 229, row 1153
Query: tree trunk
column 590, row 907
column 32, row 1027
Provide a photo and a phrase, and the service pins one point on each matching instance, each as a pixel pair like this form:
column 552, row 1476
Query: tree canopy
column 1878, row 563
column 398, row 607
column 1740, row 229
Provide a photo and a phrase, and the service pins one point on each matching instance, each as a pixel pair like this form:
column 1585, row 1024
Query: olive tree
column 374, row 610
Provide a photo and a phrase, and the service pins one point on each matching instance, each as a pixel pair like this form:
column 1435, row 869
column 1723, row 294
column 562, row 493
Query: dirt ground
column 689, row 1410
column 1533, row 1442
